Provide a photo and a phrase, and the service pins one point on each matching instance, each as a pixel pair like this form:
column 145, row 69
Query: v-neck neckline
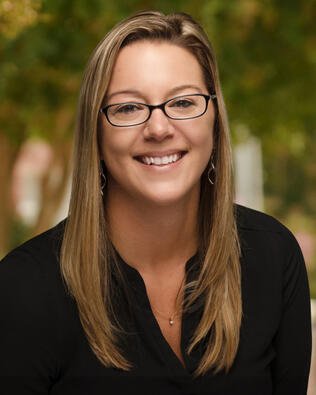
column 144, row 308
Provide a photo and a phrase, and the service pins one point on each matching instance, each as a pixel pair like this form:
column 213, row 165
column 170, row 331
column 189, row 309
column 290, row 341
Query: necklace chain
column 176, row 312
column 170, row 319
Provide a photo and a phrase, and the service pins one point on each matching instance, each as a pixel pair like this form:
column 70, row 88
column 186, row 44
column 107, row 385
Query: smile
column 160, row 161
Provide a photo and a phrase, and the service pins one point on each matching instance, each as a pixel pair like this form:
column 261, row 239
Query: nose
column 158, row 126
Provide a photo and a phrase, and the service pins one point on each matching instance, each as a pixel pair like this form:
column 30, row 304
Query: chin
column 167, row 198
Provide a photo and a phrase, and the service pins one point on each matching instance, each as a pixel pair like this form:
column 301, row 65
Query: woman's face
column 152, row 73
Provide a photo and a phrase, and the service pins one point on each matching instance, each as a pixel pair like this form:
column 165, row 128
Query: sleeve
column 27, row 343
column 293, row 340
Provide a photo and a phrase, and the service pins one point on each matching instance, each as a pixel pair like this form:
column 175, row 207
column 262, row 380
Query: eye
column 127, row 108
column 181, row 103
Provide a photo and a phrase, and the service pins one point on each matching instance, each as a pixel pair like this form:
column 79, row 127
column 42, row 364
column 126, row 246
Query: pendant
column 171, row 322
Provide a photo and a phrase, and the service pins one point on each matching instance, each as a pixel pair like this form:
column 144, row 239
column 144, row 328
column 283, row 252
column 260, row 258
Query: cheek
column 203, row 143
column 114, row 148
column 202, row 137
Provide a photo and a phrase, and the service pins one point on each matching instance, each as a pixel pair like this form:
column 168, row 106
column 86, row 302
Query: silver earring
column 209, row 173
column 103, row 180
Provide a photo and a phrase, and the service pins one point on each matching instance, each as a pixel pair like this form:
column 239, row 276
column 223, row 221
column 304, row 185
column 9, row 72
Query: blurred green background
column 266, row 52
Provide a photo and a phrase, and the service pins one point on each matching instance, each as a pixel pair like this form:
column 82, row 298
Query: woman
column 156, row 282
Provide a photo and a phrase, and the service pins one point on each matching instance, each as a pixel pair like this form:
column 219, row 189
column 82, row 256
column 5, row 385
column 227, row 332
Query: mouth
column 160, row 161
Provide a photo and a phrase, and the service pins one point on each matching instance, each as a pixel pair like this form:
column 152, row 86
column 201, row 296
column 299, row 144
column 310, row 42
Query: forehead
column 154, row 68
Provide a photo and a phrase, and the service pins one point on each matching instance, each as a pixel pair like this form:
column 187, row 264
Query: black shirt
column 43, row 348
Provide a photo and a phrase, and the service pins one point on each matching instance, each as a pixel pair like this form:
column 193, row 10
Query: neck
column 150, row 237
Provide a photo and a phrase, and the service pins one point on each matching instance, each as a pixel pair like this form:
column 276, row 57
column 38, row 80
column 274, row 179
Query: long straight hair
column 87, row 254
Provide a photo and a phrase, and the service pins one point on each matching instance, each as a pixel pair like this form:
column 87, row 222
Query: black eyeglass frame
column 151, row 107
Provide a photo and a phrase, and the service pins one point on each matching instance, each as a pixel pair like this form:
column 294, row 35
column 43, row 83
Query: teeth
column 157, row 161
column 161, row 161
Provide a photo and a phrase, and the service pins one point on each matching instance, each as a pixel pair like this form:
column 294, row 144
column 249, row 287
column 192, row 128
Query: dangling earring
column 209, row 173
column 103, row 180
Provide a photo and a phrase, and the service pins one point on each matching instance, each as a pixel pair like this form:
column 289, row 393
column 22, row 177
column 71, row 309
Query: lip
column 160, row 154
column 161, row 168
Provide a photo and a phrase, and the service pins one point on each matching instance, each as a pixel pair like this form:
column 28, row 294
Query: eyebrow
column 183, row 87
column 170, row 92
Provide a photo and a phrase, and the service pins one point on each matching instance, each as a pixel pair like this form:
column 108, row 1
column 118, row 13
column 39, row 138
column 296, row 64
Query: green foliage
column 43, row 63
column 267, row 56
column 266, row 50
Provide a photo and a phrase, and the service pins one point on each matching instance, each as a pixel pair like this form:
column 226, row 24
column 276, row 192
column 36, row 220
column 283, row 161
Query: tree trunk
column 53, row 186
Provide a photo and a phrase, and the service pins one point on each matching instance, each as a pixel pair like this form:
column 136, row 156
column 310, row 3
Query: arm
column 293, row 340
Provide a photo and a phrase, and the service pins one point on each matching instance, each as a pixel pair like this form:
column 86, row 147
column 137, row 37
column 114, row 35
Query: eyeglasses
column 178, row 108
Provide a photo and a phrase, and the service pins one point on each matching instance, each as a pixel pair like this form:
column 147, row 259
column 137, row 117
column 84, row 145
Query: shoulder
column 269, row 250
column 251, row 219
column 43, row 245
column 32, row 269
column 40, row 251
column 255, row 227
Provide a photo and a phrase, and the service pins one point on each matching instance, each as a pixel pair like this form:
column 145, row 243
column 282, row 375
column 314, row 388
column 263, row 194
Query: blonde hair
column 87, row 255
